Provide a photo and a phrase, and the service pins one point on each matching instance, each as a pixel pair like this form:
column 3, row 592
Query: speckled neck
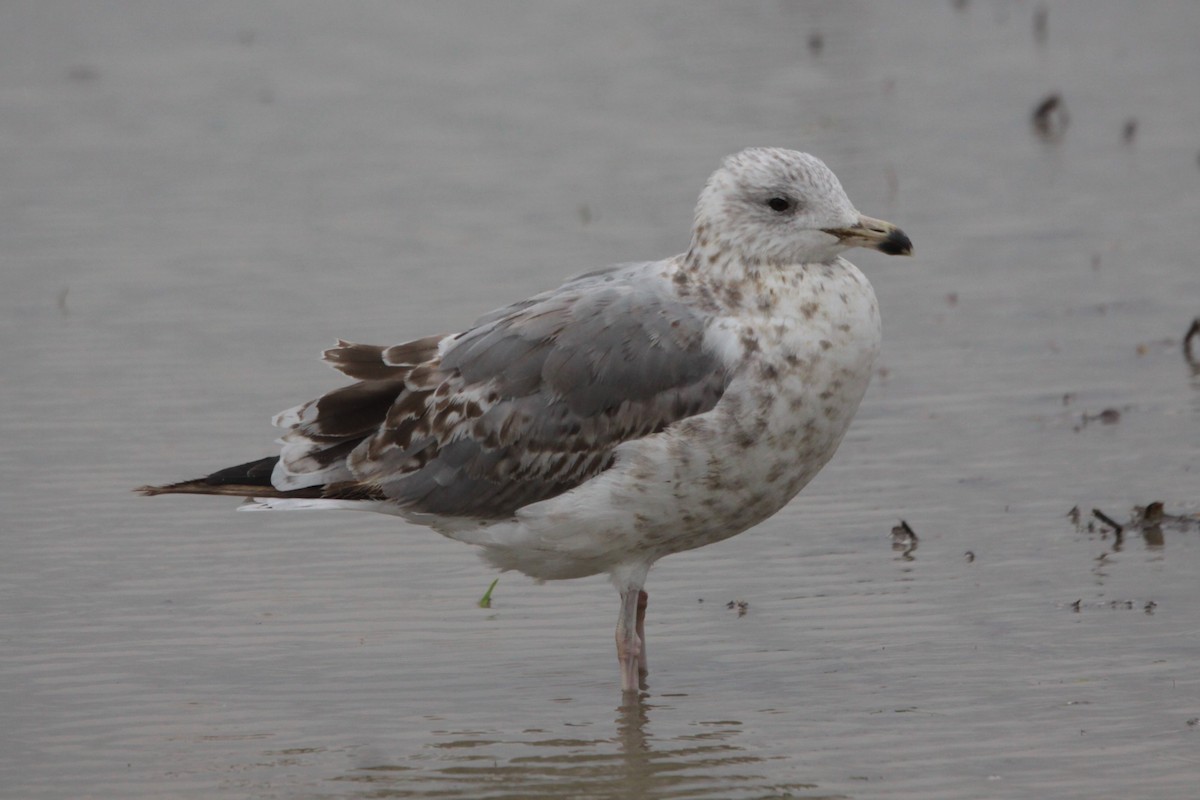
column 719, row 276
column 709, row 257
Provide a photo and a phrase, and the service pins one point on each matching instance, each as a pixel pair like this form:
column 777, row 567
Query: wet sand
column 198, row 200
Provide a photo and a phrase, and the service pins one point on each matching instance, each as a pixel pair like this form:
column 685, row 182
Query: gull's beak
column 876, row 234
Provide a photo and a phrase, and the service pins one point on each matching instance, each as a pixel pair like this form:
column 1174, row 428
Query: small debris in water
column 486, row 600
column 1119, row 530
column 742, row 606
column 1147, row 607
column 1129, row 131
column 952, row 299
column 816, row 42
column 1050, row 117
column 903, row 534
column 1074, row 515
column 1191, row 334
column 1152, row 517
column 1152, row 514
column 1109, row 416
column 904, row 538
column 970, row 556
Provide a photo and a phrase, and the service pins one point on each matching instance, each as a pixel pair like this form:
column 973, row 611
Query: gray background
column 196, row 198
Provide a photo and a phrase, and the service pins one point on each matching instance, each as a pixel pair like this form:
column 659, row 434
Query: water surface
column 197, row 199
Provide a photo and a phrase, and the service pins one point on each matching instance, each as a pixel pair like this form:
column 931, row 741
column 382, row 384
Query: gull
column 633, row 412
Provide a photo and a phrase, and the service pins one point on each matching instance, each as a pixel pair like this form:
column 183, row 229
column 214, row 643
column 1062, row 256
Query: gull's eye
column 781, row 204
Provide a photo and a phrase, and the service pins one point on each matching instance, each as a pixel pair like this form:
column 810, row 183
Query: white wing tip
column 296, row 416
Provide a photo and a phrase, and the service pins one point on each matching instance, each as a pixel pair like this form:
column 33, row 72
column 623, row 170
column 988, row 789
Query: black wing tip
column 252, row 473
column 244, row 480
column 202, row 486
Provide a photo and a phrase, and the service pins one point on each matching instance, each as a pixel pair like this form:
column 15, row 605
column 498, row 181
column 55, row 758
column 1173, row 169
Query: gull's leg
column 629, row 645
column 631, row 642
column 642, row 602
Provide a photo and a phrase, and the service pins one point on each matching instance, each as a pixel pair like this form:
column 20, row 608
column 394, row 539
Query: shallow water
column 196, row 200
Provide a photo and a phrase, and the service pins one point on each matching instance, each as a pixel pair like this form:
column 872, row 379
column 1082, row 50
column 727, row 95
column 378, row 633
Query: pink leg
column 643, row 601
column 631, row 650
column 631, row 624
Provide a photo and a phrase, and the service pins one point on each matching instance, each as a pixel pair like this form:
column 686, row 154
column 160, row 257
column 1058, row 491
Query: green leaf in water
column 486, row 600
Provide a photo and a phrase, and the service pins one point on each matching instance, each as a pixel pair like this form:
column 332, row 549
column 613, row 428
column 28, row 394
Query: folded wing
column 527, row 404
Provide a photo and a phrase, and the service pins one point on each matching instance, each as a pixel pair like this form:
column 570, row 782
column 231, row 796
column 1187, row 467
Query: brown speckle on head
column 826, row 344
column 809, row 309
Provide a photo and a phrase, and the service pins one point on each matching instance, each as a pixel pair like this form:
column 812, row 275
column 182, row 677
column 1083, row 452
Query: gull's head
column 766, row 205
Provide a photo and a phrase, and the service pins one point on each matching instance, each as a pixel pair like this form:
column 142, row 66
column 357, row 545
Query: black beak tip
column 897, row 243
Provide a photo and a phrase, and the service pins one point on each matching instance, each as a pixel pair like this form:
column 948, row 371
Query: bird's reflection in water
column 701, row 760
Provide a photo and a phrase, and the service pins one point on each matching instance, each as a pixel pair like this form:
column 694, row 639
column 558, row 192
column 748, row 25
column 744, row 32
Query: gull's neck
column 710, row 258
column 720, row 277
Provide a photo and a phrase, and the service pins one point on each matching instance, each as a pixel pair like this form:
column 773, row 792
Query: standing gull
column 633, row 412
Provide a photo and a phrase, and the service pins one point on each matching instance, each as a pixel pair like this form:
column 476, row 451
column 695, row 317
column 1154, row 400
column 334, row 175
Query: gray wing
column 528, row 403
